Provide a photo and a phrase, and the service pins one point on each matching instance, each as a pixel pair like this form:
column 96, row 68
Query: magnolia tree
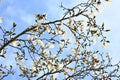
column 60, row 49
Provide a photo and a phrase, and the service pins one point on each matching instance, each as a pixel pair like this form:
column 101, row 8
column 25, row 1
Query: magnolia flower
column 94, row 30
column 99, row 4
column 95, row 59
column 60, row 66
column 49, row 66
column 2, row 53
column 60, row 32
column 1, row 19
column 34, row 69
column 60, row 46
column 75, row 56
column 82, row 21
column 53, row 56
column 108, row 0
column 41, row 43
column 89, row 52
column 85, row 59
column 48, row 28
column 16, row 43
column 82, row 28
column 74, row 51
column 60, row 25
column 98, row 10
column 12, row 36
column 34, row 43
column 72, row 26
column 73, row 70
column 50, row 46
column 20, row 59
column 41, row 17
column 45, row 52
column 96, row 35
column 55, row 32
column 2, row 72
column 94, row 56
column 92, row 13
column 105, row 44
column 67, row 70
column 30, row 37
column 35, row 64
column 50, row 61
column 95, row 73
column 104, row 75
column 108, row 55
column 94, row 40
column 22, row 67
column 70, row 20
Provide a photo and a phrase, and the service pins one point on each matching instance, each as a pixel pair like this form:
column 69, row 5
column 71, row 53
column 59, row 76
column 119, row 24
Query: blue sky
column 22, row 12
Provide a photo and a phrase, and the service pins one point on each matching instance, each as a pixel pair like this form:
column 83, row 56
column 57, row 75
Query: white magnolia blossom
column 2, row 52
column 105, row 44
column 34, row 64
column 61, row 25
column 60, row 66
column 55, row 31
column 72, row 26
column 73, row 70
column 60, row 32
column 60, row 46
column 99, row 4
column 94, row 56
column 98, row 10
column 16, row 43
column 82, row 21
column 94, row 40
column 49, row 66
column 41, row 43
column 108, row 55
column 34, row 43
column 105, row 75
column 22, row 67
column 70, row 20
column 50, row 46
column 67, row 70
column 96, row 36
column 92, row 13
column 30, row 37
column 33, row 69
column 12, row 36
column 19, row 59
column 45, row 52
column 94, row 29
column 48, row 28
column 2, row 72
column 53, row 56
column 82, row 28
column 108, row 0
column 1, row 19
